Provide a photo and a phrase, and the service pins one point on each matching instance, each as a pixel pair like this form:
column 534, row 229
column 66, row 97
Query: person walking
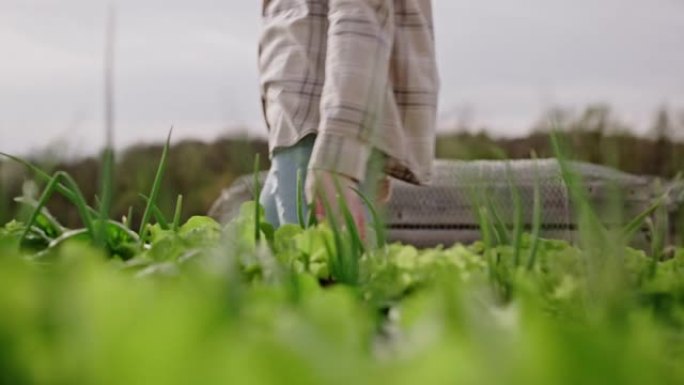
column 349, row 92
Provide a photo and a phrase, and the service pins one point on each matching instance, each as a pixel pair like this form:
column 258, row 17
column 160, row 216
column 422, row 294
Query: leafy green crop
column 198, row 302
column 211, row 304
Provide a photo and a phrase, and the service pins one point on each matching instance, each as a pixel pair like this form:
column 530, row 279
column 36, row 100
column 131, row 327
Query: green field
column 162, row 302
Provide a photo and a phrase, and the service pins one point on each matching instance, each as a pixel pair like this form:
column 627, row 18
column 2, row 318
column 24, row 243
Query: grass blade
column 45, row 177
column 312, row 220
column 257, row 206
column 595, row 233
column 518, row 217
column 637, row 223
column 128, row 222
column 499, row 226
column 378, row 225
column 157, row 213
column 107, row 170
column 336, row 262
column 343, row 262
column 106, row 193
column 485, row 229
column 156, row 186
column 357, row 243
column 661, row 225
column 536, row 218
column 301, row 200
column 53, row 222
column 178, row 213
column 50, row 189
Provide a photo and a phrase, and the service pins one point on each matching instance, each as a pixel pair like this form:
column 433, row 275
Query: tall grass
column 96, row 222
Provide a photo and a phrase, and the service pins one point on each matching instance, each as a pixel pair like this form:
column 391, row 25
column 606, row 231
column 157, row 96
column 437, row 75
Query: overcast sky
column 192, row 63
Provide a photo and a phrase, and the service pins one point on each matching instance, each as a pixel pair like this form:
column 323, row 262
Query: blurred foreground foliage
column 211, row 305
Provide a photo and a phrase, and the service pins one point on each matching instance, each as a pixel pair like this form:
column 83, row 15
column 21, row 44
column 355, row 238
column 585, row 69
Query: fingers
column 320, row 210
column 360, row 220
column 325, row 189
column 384, row 190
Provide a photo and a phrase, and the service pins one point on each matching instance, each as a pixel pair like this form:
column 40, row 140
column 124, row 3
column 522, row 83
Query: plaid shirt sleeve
column 360, row 74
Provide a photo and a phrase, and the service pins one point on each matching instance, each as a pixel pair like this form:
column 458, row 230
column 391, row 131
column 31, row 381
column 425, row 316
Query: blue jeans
column 279, row 194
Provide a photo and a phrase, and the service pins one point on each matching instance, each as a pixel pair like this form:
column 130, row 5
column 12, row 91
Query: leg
column 287, row 164
column 268, row 201
column 292, row 70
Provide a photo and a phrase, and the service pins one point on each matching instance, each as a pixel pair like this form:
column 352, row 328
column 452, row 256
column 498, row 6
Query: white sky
column 192, row 63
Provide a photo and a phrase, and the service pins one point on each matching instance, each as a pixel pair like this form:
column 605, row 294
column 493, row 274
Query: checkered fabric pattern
column 360, row 74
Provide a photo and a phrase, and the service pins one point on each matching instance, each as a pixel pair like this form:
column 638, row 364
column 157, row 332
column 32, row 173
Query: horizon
column 62, row 151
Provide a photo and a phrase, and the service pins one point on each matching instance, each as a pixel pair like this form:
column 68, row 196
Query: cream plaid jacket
column 361, row 74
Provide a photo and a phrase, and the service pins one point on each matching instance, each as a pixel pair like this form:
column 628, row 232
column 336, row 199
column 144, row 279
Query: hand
column 322, row 186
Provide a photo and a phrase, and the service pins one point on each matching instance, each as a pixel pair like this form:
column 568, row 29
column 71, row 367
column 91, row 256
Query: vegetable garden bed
column 206, row 303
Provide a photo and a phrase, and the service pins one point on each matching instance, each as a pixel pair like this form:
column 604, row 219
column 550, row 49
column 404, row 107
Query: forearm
column 360, row 40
